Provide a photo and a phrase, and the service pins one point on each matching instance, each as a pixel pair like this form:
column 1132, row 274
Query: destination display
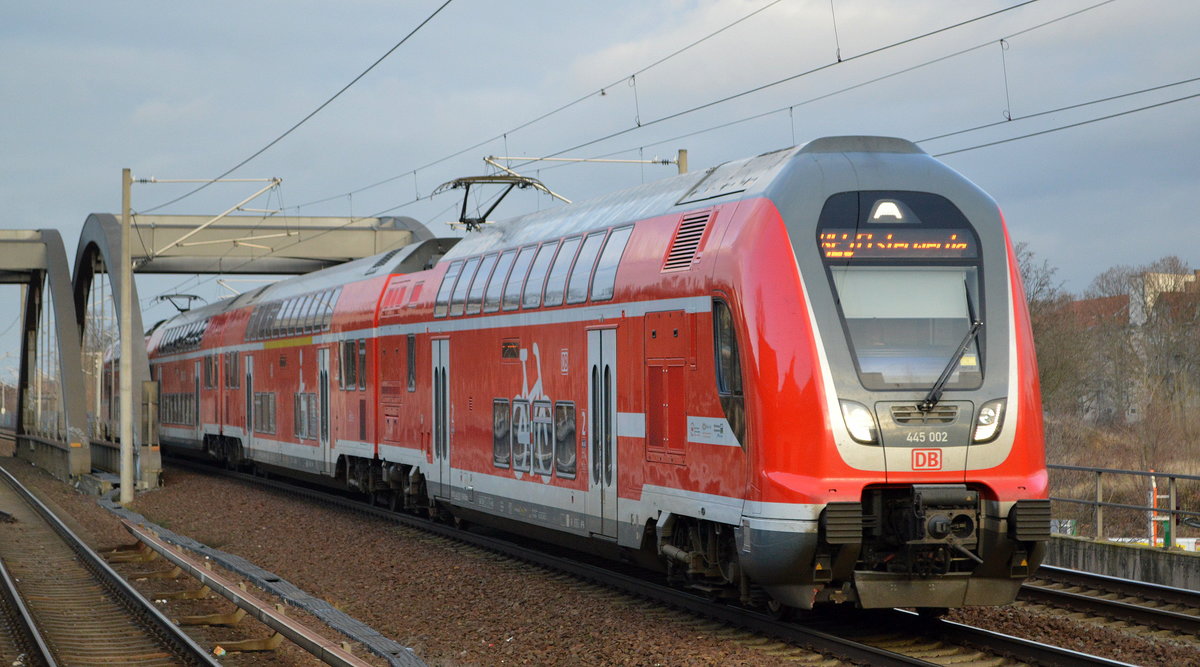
column 897, row 244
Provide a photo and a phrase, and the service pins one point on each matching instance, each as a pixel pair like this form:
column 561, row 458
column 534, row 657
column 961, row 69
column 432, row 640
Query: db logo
column 926, row 459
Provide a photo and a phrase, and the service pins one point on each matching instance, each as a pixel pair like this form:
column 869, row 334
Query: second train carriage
column 808, row 372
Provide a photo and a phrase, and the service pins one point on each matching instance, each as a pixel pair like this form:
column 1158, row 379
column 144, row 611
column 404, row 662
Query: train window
column 905, row 322
column 300, row 416
column 317, row 313
column 606, row 269
column 333, row 299
column 442, row 303
column 295, row 320
column 349, row 379
column 277, row 321
column 729, row 371
column 273, row 312
column 475, row 296
column 459, row 299
column 501, row 425
column 308, row 317
column 519, row 431
column 328, row 308
column 556, row 282
column 537, row 275
column 516, row 278
column 210, row 371
column 495, row 285
column 564, row 439
column 581, row 273
column 397, row 297
column 264, row 412
column 284, row 319
column 412, row 362
column 265, row 321
column 231, row 370
column 362, row 363
column 252, row 324
column 543, row 437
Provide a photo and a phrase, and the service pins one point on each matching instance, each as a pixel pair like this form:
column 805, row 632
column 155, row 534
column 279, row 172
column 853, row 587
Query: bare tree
column 1056, row 334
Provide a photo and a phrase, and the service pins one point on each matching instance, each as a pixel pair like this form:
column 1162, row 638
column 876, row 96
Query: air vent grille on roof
column 383, row 260
column 687, row 241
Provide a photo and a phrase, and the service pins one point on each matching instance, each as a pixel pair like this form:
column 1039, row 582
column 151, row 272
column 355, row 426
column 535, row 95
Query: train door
column 602, row 431
column 442, row 419
column 323, row 405
column 249, row 439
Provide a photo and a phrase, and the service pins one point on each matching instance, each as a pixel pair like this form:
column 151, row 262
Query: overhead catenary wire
column 789, row 108
column 1068, row 126
column 417, row 197
column 559, row 109
column 639, row 124
column 314, row 112
column 793, row 77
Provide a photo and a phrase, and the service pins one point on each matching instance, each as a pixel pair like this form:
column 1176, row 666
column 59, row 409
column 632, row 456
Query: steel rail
column 170, row 635
column 29, row 637
column 321, row 648
column 796, row 633
column 1023, row 650
column 1093, row 604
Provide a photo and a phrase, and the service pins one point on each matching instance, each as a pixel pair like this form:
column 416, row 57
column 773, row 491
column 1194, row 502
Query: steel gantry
column 222, row 244
column 51, row 420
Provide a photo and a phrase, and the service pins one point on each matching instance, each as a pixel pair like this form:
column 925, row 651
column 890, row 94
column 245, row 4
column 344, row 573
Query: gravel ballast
column 458, row 605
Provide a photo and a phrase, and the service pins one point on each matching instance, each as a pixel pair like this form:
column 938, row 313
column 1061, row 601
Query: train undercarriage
column 932, row 546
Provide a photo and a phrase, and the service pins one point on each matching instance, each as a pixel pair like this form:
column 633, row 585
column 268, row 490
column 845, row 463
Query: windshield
column 905, row 322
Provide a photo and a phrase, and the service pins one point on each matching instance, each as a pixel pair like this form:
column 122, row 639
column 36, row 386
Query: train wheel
column 778, row 610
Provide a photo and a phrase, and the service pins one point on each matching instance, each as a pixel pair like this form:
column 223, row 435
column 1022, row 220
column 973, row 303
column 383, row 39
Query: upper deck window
column 495, row 286
column 556, row 283
column 516, row 278
column 581, row 273
column 606, row 269
column 442, row 303
column 475, row 296
column 537, row 275
column 458, row 302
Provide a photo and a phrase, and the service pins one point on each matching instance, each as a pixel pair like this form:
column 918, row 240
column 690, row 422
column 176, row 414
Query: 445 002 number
column 927, row 436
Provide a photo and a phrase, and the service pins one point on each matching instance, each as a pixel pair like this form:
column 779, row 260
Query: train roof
column 406, row 259
column 739, row 179
column 730, row 181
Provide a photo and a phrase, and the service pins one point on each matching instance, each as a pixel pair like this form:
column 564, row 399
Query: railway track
column 907, row 639
column 84, row 612
column 1150, row 605
column 20, row 642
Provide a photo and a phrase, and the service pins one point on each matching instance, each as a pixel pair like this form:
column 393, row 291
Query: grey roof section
column 410, row 258
column 730, row 181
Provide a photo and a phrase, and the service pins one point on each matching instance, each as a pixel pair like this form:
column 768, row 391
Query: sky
column 189, row 90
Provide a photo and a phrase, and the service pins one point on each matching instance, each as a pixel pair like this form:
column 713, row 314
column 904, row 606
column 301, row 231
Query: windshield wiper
column 935, row 393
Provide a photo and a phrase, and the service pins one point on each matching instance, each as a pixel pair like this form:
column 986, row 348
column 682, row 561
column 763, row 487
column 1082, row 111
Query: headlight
column 860, row 422
column 991, row 417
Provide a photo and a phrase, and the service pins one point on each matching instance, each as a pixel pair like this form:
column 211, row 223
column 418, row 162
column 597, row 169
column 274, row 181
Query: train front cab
column 927, row 486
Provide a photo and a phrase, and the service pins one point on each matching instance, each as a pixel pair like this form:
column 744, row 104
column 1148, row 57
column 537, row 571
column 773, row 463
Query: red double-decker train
column 802, row 377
